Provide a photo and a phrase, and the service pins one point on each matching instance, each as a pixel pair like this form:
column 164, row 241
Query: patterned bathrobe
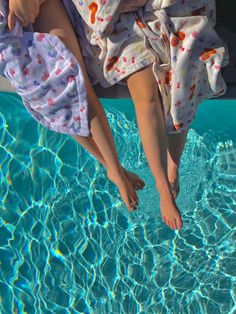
column 46, row 75
column 177, row 37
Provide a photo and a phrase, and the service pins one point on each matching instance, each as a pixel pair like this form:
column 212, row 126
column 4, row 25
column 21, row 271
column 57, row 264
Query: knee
column 150, row 104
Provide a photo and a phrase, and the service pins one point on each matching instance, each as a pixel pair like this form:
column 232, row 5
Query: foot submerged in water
column 169, row 211
column 137, row 183
column 126, row 188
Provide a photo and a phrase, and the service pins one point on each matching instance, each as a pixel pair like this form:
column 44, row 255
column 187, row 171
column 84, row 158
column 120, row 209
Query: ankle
column 173, row 172
column 173, row 167
column 163, row 187
column 117, row 172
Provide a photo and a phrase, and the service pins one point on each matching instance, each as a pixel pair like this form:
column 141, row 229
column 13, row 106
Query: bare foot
column 169, row 211
column 126, row 189
column 173, row 177
column 137, row 183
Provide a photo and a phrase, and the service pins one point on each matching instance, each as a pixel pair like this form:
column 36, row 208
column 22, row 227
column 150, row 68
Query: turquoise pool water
column 68, row 245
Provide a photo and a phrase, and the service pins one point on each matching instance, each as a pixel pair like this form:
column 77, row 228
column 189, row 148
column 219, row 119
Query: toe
column 129, row 206
column 175, row 224
column 179, row 224
column 142, row 185
column 138, row 185
column 133, row 201
column 134, row 205
column 128, row 203
column 168, row 222
column 172, row 224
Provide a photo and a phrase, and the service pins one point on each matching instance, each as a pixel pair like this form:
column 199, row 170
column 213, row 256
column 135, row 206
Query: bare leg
column 176, row 144
column 89, row 144
column 154, row 139
column 58, row 24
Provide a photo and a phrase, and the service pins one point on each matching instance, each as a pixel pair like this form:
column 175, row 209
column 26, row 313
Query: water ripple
column 68, row 245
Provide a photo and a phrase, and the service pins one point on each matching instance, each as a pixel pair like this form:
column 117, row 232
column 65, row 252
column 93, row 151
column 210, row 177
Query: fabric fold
column 46, row 75
column 179, row 40
column 100, row 15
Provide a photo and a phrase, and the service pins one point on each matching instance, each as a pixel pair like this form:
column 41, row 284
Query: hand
column 131, row 5
column 25, row 10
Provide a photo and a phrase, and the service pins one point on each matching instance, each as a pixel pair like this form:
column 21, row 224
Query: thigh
column 58, row 23
column 53, row 19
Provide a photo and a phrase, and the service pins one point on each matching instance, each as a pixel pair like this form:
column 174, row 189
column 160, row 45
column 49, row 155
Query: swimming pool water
column 68, row 245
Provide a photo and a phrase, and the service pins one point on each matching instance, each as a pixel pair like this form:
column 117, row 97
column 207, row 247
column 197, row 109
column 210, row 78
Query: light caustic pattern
column 68, row 245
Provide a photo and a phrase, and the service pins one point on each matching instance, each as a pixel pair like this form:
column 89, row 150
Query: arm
column 25, row 10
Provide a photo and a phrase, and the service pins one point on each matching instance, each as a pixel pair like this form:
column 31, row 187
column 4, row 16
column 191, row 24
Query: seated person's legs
column 101, row 144
column 144, row 92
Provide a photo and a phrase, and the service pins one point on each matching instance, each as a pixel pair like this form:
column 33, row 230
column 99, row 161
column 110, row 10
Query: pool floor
column 68, row 244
